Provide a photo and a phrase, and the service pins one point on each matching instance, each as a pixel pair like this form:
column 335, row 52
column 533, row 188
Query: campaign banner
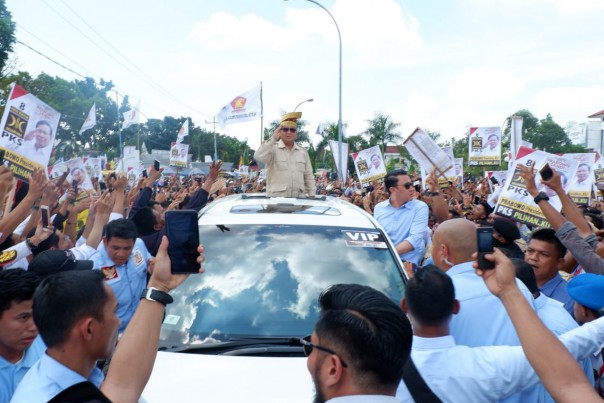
column 94, row 168
column 484, row 146
column 340, row 160
column 427, row 153
column 78, row 174
column 450, row 174
column 178, row 155
column 516, row 202
column 28, row 128
column 496, row 181
column 369, row 165
column 459, row 171
column 582, row 183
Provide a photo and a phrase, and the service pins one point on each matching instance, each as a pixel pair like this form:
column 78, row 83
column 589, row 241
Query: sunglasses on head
column 307, row 346
column 288, row 129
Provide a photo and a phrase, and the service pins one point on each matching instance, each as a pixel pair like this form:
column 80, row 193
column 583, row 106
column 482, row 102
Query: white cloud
column 566, row 7
column 571, row 103
column 485, row 84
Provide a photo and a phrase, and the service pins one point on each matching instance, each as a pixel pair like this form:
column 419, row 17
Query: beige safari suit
column 289, row 173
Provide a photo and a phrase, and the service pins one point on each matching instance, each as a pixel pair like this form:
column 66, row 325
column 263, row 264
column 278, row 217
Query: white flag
column 243, row 108
column 90, row 121
column 131, row 117
column 183, row 132
column 515, row 136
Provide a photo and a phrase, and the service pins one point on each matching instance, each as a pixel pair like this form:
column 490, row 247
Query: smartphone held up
column 183, row 234
column 484, row 239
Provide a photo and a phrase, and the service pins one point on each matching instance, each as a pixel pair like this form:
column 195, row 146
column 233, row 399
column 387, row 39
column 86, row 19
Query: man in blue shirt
column 404, row 218
column 123, row 260
column 545, row 253
column 20, row 347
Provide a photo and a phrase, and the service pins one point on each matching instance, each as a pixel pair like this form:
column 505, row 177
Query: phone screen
column 44, row 212
column 183, row 233
column 156, row 165
column 484, row 237
column 2, row 152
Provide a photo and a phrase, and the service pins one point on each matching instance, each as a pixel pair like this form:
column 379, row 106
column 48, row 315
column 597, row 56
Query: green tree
column 382, row 130
column 7, row 35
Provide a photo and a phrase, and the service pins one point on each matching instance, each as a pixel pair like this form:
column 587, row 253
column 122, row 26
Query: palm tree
column 382, row 130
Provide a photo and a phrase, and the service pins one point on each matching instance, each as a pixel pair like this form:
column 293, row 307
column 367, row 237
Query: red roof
column 392, row 150
column 597, row 115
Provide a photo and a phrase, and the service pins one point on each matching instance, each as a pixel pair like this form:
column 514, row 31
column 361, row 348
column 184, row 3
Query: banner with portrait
column 94, row 168
column 427, row 153
column 28, row 129
column 178, row 155
column 516, row 202
column 484, row 146
column 369, row 165
column 582, row 183
column 77, row 174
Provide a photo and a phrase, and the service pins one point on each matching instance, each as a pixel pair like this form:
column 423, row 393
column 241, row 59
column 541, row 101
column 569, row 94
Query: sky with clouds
column 440, row 65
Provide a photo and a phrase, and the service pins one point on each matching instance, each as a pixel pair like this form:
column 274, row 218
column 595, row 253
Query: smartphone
column 494, row 180
column 74, row 184
column 182, row 231
column 156, row 165
column 484, row 239
column 44, row 212
column 145, row 175
column 2, row 152
column 546, row 172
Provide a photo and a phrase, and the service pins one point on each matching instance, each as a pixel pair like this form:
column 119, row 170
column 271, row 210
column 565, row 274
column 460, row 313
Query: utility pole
column 214, row 130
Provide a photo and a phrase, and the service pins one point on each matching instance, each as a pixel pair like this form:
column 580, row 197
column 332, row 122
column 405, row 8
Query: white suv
column 232, row 333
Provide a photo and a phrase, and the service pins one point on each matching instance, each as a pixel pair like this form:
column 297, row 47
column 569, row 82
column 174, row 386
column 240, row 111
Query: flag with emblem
column 131, row 117
column 183, row 132
column 243, row 108
column 90, row 121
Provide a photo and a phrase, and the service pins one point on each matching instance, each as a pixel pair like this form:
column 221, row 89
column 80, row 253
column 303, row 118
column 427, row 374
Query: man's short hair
column 64, row 298
column 16, row 285
column 374, row 156
column 430, row 296
column 369, row 330
column 392, row 178
column 584, row 164
column 526, row 274
column 549, row 235
column 120, row 228
column 493, row 135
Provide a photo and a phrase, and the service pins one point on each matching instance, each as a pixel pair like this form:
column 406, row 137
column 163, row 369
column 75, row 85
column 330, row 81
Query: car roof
column 260, row 209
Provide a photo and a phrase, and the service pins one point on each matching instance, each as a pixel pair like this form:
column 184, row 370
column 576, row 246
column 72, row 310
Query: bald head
column 455, row 241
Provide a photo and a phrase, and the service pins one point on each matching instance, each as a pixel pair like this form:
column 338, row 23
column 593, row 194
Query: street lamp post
column 307, row 100
column 340, row 156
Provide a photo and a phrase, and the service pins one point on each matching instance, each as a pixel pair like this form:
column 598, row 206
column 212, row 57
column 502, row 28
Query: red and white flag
column 131, row 117
column 243, row 108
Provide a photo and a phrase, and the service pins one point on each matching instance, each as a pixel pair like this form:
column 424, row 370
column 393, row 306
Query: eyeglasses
column 405, row 185
column 307, row 346
column 288, row 129
column 70, row 259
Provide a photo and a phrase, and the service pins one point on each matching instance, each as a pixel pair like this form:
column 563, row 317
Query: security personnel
column 123, row 260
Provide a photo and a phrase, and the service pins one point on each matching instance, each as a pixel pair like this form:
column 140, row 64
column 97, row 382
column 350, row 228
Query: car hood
column 183, row 377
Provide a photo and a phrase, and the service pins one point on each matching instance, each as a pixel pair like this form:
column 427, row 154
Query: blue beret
column 588, row 290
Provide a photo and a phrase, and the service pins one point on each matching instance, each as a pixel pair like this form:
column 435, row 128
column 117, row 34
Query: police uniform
column 127, row 281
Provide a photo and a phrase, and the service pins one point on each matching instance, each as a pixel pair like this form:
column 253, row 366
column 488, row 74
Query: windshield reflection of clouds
column 265, row 281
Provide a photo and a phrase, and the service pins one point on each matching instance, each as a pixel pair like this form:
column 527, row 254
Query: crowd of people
column 529, row 330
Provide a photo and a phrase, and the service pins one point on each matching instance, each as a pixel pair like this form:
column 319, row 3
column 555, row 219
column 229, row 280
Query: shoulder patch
column 138, row 257
column 7, row 257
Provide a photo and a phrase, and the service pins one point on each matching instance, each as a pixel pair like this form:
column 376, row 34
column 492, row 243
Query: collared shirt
column 482, row 319
column 127, row 281
column 289, row 173
column 408, row 223
column 556, row 288
column 364, row 399
column 47, row 378
column 11, row 374
column 482, row 374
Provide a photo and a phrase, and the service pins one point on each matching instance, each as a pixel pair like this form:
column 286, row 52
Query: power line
column 54, row 61
column 147, row 81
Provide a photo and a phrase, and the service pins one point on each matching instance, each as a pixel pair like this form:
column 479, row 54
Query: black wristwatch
column 153, row 294
column 435, row 194
column 540, row 196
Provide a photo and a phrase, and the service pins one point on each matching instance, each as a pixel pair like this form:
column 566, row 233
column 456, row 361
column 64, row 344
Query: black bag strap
column 418, row 388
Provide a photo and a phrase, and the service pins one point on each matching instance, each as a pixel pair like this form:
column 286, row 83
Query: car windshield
column 264, row 280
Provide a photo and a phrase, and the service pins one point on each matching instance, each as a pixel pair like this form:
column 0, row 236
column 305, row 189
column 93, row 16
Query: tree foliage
column 7, row 35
